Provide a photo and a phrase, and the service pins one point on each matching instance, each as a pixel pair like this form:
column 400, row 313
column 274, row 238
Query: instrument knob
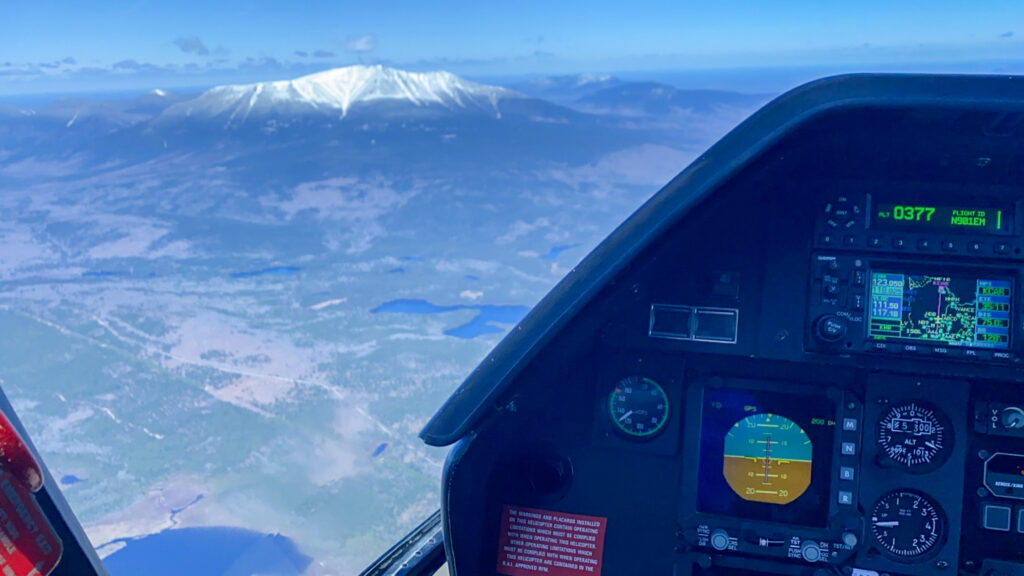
column 810, row 551
column 719, row 539
column 830, row 328
column 1012, row 418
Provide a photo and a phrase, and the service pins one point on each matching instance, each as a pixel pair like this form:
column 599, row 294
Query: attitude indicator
column 768, row 459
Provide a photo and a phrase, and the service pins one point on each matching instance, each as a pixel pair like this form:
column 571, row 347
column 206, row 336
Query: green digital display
column 925, row 218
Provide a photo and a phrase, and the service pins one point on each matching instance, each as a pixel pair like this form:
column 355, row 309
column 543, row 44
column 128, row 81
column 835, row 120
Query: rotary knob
column 719, row 539
column 830, row 328
column 1012, row 418
column 810, row 552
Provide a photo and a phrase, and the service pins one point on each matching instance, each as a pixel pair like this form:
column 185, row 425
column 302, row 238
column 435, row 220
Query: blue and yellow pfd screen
column 941, row 310
column 768, row 458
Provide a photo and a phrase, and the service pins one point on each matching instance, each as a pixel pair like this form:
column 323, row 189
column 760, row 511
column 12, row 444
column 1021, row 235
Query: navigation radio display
column 940, row 309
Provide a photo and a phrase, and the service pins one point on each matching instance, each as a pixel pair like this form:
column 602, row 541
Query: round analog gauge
column 915, row 436
column 638, row 406
column 907, row 524
column 768, row 458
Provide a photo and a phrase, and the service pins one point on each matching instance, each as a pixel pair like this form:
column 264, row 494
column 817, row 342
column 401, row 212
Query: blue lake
column 483, row 323
column 218, row 551
column 272, row 271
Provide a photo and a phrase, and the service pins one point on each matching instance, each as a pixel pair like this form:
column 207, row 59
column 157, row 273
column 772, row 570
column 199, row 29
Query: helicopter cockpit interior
column 802, row 357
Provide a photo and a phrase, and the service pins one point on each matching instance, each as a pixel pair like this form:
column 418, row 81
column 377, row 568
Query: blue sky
column 48, row 46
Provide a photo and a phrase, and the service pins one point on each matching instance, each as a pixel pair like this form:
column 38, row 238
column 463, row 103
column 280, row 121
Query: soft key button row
column 849, row 439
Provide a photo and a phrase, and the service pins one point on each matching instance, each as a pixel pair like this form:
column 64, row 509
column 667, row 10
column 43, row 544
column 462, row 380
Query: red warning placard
column 554, row 543
column 28, row 545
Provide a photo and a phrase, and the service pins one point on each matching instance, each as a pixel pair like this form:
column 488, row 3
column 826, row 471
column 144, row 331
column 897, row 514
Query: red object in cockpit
column 16, row 459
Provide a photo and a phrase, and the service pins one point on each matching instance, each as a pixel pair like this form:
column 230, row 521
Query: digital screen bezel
column 976, row 273
column 716, row 497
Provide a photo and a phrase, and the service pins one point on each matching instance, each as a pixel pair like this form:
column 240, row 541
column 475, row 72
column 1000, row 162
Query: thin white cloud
column 362, row 44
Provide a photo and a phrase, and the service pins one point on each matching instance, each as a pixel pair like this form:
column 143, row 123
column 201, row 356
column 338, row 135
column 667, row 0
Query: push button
column 996, row 518
column 847, row 473
column 828, row 239
column 875, row 242
column 849, row 448
column 899, row 243
column 1020, row 520
column 1001, row 248
column 849, row 241
column 845, row 497
column 949, row 246
column 975, row 247
column 850, row 424
column 977, row 354
column 668, row 321
column 877, row 347
column 924, row 244
column 716, row 325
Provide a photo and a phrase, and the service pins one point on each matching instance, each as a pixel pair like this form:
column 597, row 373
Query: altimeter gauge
column 914, row 436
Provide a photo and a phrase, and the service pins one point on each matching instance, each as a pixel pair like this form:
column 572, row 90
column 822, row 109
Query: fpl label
column 554, row 543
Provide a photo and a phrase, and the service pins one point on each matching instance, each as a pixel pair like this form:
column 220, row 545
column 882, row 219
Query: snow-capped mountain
column 343, row 91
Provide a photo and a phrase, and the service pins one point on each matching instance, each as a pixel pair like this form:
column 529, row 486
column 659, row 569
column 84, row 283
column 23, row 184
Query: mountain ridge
column 340, row 91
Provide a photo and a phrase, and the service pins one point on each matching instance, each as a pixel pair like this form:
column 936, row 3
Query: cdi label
column 535, row 542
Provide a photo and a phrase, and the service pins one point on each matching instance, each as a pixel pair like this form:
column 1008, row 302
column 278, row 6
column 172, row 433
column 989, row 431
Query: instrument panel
column 816, row 372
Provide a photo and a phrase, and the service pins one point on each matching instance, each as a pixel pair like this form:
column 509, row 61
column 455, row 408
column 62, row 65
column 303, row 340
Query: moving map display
column 963, row 311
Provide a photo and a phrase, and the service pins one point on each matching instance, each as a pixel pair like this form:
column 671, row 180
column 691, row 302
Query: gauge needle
column 931, row 445
column 626, row 415
column 890, row 524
